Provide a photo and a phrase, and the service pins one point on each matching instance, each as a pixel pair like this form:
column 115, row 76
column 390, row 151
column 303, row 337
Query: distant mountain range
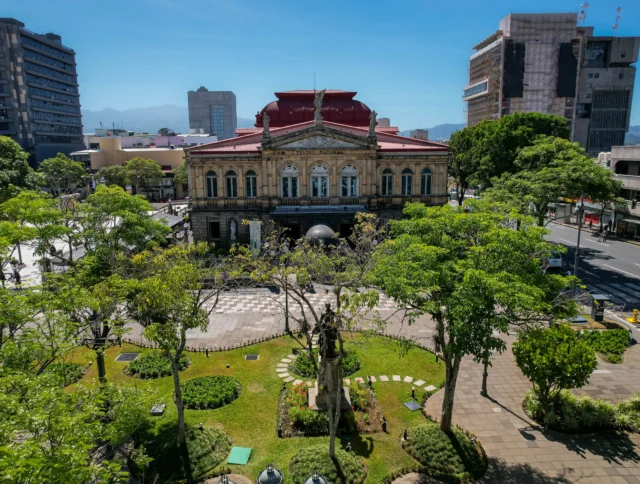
column 145, row 120
column 150, row 120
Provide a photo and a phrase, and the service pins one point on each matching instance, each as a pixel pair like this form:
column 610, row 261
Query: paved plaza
column 519, row 451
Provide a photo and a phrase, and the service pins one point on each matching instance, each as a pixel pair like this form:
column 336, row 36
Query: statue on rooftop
column 372, row 123
column 317, row 102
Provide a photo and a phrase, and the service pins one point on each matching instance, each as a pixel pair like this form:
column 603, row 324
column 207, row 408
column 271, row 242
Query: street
column 611, row 268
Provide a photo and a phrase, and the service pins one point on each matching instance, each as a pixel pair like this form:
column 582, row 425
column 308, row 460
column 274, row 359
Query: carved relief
column 321, row 142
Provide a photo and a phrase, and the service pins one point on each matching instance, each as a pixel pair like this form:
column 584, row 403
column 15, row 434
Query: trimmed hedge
column 303, row 365
column 209, row 392
column 316, row 459
column 612, row 343
column 68, row 373
column 154, row 364
column 451, row 457
column 571, row 414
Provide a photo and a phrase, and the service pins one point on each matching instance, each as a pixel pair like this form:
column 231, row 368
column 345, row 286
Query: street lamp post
column 576, row 259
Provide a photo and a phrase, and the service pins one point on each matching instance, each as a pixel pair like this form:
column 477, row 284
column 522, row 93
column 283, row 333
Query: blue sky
column 407, row 60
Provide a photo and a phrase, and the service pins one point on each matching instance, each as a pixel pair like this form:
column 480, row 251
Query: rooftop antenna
column 618, row 17
column 583, row 12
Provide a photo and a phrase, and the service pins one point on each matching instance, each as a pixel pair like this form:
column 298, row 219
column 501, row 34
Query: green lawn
column 250, row 421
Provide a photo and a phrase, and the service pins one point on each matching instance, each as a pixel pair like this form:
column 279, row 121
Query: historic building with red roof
column 301, row 169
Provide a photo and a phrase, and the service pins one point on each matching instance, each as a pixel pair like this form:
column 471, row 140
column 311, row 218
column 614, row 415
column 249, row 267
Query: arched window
column 212, row 184
column 319, row 182
column 232, row 184
column 251, row 185
column 289, row 182
column 349, row 181
column 425, row 182
column 407, row 182
column 387, row 182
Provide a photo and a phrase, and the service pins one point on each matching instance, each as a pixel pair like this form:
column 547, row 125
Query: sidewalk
column 586, row 229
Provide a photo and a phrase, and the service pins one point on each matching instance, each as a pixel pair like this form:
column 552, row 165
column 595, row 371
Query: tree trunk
column 182, row 435
column 449, row 392
column 460, row 195
column 70, row 243
column 485, row 374
column 19, row 253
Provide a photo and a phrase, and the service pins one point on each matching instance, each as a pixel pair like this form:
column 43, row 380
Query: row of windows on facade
column 39, row 103
column 36, row 91
column 55, row 118
column 290, row 185
column 29, row 54
column 49, row 83
column 50, row 72
column 41, row 138
column 45, row 48
column 56, row 128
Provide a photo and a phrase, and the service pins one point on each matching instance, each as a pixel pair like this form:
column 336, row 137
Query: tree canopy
column 113, row 175
column 473, row 274
column 62, row 174
column 140, row 172
column 487, row 150
column 180, row 175
column 552, row 168
column 166, row 132
column 15, row 172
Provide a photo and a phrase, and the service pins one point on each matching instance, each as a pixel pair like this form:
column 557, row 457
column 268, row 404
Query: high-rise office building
column 39, row 100
column 213, row 112
column 549, row 64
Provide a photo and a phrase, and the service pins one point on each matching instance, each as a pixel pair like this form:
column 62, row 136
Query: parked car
column 554, row 261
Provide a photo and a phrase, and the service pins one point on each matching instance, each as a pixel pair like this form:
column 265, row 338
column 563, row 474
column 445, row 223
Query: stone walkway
column 520, row 451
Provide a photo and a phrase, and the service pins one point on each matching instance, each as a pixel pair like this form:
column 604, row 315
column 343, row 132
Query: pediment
column 319, row 142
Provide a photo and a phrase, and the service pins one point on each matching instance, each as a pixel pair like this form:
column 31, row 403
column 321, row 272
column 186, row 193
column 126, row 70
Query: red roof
column 379, row 129
column 251, row 142
column 294, row 107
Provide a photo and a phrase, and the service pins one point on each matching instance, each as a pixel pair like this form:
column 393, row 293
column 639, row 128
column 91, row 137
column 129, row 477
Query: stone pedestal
column 318, row 401
column 327, row 385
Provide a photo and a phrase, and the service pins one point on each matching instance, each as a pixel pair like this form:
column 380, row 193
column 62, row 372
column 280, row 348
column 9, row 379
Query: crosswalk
column 627, row 294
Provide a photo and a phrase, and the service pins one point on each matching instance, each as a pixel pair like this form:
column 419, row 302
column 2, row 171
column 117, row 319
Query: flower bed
column 303, row 365
column 571, row 414
column 297, row 419
column 154, row 364
column 209, row 392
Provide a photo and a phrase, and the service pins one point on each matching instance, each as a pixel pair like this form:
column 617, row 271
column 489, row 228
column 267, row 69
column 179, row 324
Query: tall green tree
column 15, row 172
column 113, row 222
column 142, row 172
column 113, row 175
column 473, row 274
column 550, row 169
column 180, row 175
column 62, row 174
column 487, row 150
column 170, row 292
column 166, row 132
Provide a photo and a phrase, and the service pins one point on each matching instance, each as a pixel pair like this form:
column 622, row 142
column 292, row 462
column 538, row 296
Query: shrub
column 303, row 365
column 316, row 459
column 359, row 393
column 302, row 417
column 208, row 392
column 154, row 364
column 445, row 456
column 554, row 359
column 571, row 414
column 68, row 373
column 611, row 343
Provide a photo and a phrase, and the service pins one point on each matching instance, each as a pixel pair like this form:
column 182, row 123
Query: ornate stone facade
column 309, row 173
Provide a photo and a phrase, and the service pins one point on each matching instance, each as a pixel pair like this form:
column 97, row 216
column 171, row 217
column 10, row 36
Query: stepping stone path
column 283, row 372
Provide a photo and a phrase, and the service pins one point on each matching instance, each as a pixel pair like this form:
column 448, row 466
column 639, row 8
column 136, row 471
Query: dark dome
column 270, row 475
column 320, row 232
column 293, row 107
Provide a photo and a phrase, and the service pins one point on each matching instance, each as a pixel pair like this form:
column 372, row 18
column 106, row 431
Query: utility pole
column 575, row 261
